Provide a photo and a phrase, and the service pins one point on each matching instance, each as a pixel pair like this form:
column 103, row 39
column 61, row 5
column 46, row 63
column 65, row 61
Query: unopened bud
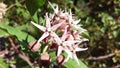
column 61, row 59
column 45, row 59
column 34, row 46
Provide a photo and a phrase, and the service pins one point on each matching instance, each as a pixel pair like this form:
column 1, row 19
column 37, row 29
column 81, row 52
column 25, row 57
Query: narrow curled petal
column 68, row 57
column 81, row 40
column 64, row 36
column 55, row 9
column 81, row 30
column 54, row 27
column 59, row 50
column 84, row 39
column 75, row 57
column 70, row 37
column 69, row 54
column 48, row 24
column 80, row 49
column 70, row 17
column 69, row 43
column 43, row 36
column 56, row 38
column 76, row 22
column 70, row 13
column 39, row 26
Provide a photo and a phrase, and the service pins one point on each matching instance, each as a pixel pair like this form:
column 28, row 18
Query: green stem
column 45, row 49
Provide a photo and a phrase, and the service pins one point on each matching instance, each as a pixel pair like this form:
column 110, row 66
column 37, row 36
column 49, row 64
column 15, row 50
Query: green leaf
column 3, row 33
column 73, row 64
column 86, row 34
column 34, row 5
column 35, row 17
column 53, row 56
column 3, row 64
column 17, row 31
column 115, row 34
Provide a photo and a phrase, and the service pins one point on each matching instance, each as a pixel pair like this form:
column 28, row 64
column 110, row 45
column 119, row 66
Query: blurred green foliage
column 101, row 18
column 3, row 64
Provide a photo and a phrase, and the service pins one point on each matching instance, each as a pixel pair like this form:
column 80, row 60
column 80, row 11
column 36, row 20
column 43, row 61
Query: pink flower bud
column 34, row 46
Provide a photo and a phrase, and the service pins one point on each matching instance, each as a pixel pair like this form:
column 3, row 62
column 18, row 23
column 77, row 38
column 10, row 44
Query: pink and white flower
column 70, row 39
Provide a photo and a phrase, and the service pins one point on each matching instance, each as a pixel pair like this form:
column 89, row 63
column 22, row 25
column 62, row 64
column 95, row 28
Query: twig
column 14, row 4
column 117, row 66
column 12, row 44
column 20, row 54
column 23, row 56
column 101, row 57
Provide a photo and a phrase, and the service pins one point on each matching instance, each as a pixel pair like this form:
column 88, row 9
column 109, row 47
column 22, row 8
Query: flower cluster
column 2, row 10
column 64, row 32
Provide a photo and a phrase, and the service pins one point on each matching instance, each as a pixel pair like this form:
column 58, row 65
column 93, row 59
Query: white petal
column 56, row 38
column 39, row 26
column 76, row 22
column 59, row 50
column 48, row 24
column 84, row 39
column 55, row 9
column 64, row 36
column 69, row 54
column 75, row 57
column 70, row 13
column 69, row 43
column 70, row 17
column 70, row 37
column 80, row 49
column 68, row 57
column 81, row 30
column 76, row 26
column 43, row 36
column 81, row 40
column 56, row 26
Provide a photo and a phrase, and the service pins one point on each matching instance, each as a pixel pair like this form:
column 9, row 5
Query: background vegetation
column 101, row 18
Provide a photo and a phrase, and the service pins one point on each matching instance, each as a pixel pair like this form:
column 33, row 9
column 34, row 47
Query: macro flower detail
column 48, row 30
column 70, row 46
column 64, row 31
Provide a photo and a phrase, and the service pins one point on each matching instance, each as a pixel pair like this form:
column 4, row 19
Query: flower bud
column 61, row 59
column 34, row 46
column 44, row 59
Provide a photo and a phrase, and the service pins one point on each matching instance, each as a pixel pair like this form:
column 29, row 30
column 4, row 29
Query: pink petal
column 70, row 17
column 69, row 54
column 59, row 50
column 70, row 13
column 75, row 57
column 56, row 38
column 64, row 36
column 68, row 57
column 80, row 49
column 69, row 43
column 70, row 37
column 56, row 26
column 39, row 26
column 55, row 9
column 48, row 24
column 81, row 30
column 43, row 36
column 82, row 40
column 76, row 22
